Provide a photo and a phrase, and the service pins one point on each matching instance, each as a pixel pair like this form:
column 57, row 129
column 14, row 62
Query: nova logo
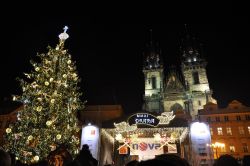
column 144, row 146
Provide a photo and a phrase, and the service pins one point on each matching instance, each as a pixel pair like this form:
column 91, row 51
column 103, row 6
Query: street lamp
column 215, row 146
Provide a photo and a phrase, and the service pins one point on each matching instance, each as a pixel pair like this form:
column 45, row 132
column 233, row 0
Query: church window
column 238, row 118
column 153, row 82
column 176, row 107
column 196, row 77
column 199, row 102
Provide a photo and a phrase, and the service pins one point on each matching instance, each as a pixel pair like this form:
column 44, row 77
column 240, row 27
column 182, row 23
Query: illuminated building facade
column 188, row 90
column 229, row 128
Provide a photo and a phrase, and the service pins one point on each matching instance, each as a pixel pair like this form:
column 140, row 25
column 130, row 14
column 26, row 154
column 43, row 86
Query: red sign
column 123, row 150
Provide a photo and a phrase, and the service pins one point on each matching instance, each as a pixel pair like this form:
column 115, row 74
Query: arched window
column 196, row 79
column 153, row 82
column 176, row 107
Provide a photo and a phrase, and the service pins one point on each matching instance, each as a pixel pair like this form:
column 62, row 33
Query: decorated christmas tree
column 51, row 100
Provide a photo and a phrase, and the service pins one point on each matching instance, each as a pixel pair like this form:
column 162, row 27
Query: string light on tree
column 39, row 130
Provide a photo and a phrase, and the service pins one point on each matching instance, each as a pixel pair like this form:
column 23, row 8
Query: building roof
column 233, row 107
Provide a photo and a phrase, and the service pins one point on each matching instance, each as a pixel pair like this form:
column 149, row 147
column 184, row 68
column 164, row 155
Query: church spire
column 152, row 55
column 151, row 37
column 190, row 50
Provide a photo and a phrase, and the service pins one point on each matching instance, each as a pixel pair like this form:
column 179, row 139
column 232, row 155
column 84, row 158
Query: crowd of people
column 61, row 157
column 85, row 158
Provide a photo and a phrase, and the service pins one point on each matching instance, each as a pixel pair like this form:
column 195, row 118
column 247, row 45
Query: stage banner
column 90, row 136
column 145, row 147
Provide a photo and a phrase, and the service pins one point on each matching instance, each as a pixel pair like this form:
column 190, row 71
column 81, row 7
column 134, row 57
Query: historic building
column 187, row 91
column 229, row 128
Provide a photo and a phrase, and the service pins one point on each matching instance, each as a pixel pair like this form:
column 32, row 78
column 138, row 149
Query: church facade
column 186, row 91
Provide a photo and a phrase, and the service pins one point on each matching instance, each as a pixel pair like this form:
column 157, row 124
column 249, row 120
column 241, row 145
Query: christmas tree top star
column 63, row 36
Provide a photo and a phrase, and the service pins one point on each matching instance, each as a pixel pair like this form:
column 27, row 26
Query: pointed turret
column 191, row 51
column 152, row 55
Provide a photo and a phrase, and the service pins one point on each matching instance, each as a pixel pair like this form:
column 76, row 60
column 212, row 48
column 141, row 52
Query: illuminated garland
column 166, row 117
column 51, row 101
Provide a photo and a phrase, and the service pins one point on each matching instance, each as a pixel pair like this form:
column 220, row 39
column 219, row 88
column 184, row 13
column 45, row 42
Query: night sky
column 109, row 56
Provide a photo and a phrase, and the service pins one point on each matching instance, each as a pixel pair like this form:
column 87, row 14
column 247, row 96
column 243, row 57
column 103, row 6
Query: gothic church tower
column 153, row 74
column 185, row 92
column 194, row 71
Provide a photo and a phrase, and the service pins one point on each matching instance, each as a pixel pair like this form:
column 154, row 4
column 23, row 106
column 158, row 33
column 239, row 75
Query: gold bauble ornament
column 39, row 108
column 65, row 76
column 49, row 122
column 46, row 83
column 69, row 62
column 37, row 68
column 39, row 99
column 36, row 158
column 51, row 79
column 30, row 137
column 52, row 101
column 8, row 130
column 58, row 136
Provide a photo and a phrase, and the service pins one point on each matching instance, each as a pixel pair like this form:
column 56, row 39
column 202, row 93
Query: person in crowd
column 165, row 160
column 226, row 160
column 85, row 157
column 60, row 157
column 132, row 163
column 246, row 160
column 173, row 159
